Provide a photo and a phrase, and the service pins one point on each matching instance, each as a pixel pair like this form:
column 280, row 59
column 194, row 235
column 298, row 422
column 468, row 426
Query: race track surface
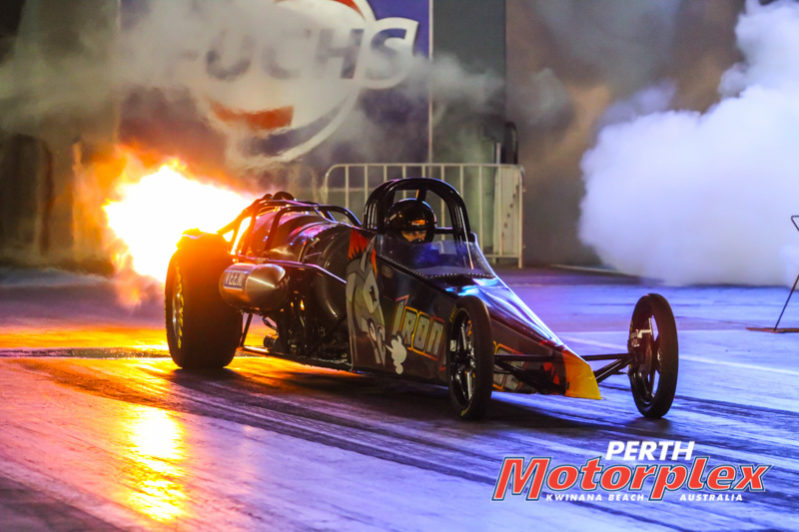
column 101, row 434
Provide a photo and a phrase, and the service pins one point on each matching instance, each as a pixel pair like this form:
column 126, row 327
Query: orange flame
column 152, row 211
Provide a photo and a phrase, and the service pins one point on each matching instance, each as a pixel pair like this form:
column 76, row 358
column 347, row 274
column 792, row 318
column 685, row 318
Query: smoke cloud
column 567, row 61
column 259, row 95
column 213, row 80
column 705, row 197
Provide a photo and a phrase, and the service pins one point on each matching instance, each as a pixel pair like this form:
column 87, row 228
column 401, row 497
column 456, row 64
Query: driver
column 412, row 219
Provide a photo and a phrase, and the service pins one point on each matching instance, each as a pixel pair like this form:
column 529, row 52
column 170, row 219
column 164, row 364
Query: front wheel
column 470, row 359
column 654, row 351
column 202, row 331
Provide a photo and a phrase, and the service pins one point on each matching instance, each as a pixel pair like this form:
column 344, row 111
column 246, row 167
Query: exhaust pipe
column 254, row 286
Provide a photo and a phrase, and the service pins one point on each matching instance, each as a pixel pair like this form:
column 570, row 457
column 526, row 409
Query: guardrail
column 493, row 194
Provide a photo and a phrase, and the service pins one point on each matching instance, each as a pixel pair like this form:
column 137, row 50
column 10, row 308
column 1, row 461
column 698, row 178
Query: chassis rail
column 620, row 361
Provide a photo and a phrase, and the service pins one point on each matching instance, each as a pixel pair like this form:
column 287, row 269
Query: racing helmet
column 411, row 219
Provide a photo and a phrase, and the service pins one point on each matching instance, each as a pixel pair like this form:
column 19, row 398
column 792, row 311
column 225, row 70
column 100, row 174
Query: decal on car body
column 234, row 280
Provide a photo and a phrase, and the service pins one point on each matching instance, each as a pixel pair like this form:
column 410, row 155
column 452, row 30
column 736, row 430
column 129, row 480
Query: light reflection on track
column 154, row 462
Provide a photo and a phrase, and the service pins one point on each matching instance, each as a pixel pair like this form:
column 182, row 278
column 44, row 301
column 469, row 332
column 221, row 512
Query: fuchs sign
column 284, row 91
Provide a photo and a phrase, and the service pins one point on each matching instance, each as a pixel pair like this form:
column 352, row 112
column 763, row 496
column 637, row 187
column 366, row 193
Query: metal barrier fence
column 493, row 194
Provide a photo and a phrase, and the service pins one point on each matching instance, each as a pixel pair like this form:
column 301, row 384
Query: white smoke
column 161, row 52
column 691, row 197
column 167, row 49
column 636, row 35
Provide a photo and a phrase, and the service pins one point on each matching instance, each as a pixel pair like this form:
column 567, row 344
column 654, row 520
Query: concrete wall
column 46, row 144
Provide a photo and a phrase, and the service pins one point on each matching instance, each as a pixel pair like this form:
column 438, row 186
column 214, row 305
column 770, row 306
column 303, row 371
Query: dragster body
column 352, row 295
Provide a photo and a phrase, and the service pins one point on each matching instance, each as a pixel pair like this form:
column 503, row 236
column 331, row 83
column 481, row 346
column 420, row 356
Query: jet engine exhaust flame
column 152, row 210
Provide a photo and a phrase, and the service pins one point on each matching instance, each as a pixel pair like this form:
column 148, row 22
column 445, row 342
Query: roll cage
column 266, row 204
column 383, row 197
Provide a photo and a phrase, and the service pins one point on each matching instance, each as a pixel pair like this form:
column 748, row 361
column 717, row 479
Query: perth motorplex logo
column 281, row 85
column 696, row 480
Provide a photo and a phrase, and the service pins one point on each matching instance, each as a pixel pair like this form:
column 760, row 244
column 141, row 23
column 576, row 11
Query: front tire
column 654, row 351
column 202, row 330
column 470, row 359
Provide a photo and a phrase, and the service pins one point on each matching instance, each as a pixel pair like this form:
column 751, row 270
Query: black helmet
column 411, row 216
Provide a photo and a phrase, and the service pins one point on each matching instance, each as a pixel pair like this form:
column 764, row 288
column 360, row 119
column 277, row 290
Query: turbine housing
column 262, row 287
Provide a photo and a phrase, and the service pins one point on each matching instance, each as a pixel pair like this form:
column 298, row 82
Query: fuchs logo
column 640, row 482
column 282, row 91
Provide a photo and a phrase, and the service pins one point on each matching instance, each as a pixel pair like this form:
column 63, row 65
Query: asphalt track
column 100, row 431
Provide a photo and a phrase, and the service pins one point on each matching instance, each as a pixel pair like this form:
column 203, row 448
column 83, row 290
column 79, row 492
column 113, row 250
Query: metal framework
column 620, row 362
column 793, row 289
column 495, row 196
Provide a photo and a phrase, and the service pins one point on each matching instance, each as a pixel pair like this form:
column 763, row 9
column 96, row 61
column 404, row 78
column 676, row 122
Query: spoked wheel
column 176, row 314
column 470, row 359
column 654, row 351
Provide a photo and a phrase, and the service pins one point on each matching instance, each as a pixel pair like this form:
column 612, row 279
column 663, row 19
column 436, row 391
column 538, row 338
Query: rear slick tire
column 203, row 331
column 470, row 359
